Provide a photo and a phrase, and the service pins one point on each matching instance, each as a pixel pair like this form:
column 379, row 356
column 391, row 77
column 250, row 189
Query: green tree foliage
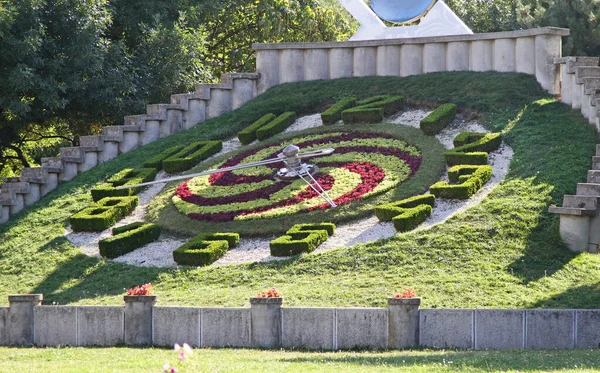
column 486, row 15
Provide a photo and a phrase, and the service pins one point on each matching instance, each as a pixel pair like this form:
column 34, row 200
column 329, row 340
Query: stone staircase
column 579, row 214
column 580, row 85
column 161, row 120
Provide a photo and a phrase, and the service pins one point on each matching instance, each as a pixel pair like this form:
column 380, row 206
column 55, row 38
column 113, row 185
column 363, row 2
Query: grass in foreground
column 240, row 360
column 505, row 252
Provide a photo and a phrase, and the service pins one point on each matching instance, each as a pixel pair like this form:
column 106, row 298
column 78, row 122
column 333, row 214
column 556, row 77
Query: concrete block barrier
column 100, row 326
column 313, row 328
column 226, row 327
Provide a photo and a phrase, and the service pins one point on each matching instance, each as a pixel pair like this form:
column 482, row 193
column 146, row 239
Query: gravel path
column 159, row 253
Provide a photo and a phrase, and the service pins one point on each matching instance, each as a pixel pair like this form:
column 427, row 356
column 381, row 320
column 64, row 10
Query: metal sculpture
column 294, row 169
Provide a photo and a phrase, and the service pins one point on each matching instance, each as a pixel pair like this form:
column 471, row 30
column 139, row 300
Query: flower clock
column 364, row 164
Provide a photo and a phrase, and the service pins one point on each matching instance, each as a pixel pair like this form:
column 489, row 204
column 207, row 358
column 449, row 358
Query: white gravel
column 159, row 253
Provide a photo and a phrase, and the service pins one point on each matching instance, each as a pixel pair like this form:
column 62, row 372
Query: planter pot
column 404, row 301
column 403, row 324
column 266, row 300
column 140, row 298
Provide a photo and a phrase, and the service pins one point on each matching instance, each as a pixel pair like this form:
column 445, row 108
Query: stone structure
column 266, row 324
column 528, row 51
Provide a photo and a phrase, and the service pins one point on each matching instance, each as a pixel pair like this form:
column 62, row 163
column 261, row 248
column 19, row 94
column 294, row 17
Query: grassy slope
column 505, row 252
column 144, row 360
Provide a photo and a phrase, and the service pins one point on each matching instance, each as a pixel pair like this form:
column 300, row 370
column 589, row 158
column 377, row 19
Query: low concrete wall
column 528, row 51
column 267, row 324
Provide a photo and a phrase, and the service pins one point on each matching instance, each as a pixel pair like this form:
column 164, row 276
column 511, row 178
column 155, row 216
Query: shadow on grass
column 82, row 276
column 587, row 296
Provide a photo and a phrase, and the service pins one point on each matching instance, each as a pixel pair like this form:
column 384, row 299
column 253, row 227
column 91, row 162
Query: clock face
column 401, row 11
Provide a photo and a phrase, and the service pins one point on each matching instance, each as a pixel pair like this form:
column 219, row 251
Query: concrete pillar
column 267, row 64
column 291, row 66
column 138, row 319
column 411, row 59
column 90, row 160
column 365, row 61
column 434, row 57
column 594, row 238
column 577, row 92
column 566, row 85
column 220, row 102
column 244, row 90
column 316, row 64
column 50, row 185
column 20, row 316
column 340, row 63
column 504, row 55
column 19, row 204
column 152, row 132
column 174, row 120
column 548, row 47
column 69, row 171
column 457, row 56
column 131, row 140
column 4, row 214
column 110, row 151
column 525, row 55
column 196, row 112
column 575, row 231
column 265, row 316
column 34, row 194
column 388, row 60
column 482, row 55
column 403, row 322
column 585, row 103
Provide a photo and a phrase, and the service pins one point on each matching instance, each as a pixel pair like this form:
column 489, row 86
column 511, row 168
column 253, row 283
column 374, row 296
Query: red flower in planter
column 408, row 293
column 271, row 293
column 145, row 289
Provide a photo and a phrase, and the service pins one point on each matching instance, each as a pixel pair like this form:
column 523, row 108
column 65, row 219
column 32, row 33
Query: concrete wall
column 527, row 51
column 267, row 324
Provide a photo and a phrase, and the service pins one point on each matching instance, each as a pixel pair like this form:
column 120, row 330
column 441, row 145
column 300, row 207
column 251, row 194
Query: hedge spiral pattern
column 363, row 164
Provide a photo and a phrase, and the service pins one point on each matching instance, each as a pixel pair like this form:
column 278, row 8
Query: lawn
column 133, row 360
column 504, row 252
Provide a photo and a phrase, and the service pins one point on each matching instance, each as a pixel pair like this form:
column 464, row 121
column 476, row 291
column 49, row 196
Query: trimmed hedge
column 104, row 215
column 129, row 176
column 248, row 134
column 474, row 148
column 475, row 158
column 124, row 204
column 438, row 119
column 156, row 161
column 191, row 155
column 358, row 115
column 128, row 238
column 301, row 238
column 471, row 180
column 408, row 213
column 390, row 104
column 205, row 248
column 334, row 113
column 276, row 126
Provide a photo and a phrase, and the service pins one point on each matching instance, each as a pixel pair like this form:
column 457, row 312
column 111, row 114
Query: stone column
column 403, row 324
column 138, row 319
column 265, row 320
column 19, row 326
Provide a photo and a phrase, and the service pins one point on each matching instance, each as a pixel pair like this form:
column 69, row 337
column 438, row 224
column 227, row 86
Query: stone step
column 593, row 177
column 598, row 150
column 204, row 89
column 583, row 72
column 19, row 187
column 52, row 165
column 581, row 202
column 156, row 109
column 596, row 163
column 36, row 175
column 573, row 62
column 590, row 84
column 73, row 154
column 230, row 77
column 93, row 143
column 588, row 189
column 570, row 211
column 7, row 197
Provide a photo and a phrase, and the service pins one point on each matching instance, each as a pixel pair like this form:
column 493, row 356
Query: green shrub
column 296, row 243
column 358, row 115
column 477, row 142
column 248, row 134
column 191, row 155
column 156, row 161
column 328, row 227
column 438, row 119
column 388, row 211
column 129, row 176
column 475, row 158
column 390, row 104
column 334, row 113
column 409, row 219
column 128, row 238
column 470, row 182
column 455, row 172
column 104, row 215
column 276, row 126
column 200, row 252
column 124, row 204
column 232, row 238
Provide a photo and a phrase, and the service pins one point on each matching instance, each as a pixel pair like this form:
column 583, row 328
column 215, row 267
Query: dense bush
column 276, row 126
column 438, row 119
column 248, row 134
column 205, row 248
column 104, row 215
column 301, row 238
column 407, row 213
column 473, row 149
column 334, row 113
column 128, row 238
column 129, row 176
column 357, row 115
column 471, row 180
column 191, row 155
column 156, row 161
column 390, row 104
